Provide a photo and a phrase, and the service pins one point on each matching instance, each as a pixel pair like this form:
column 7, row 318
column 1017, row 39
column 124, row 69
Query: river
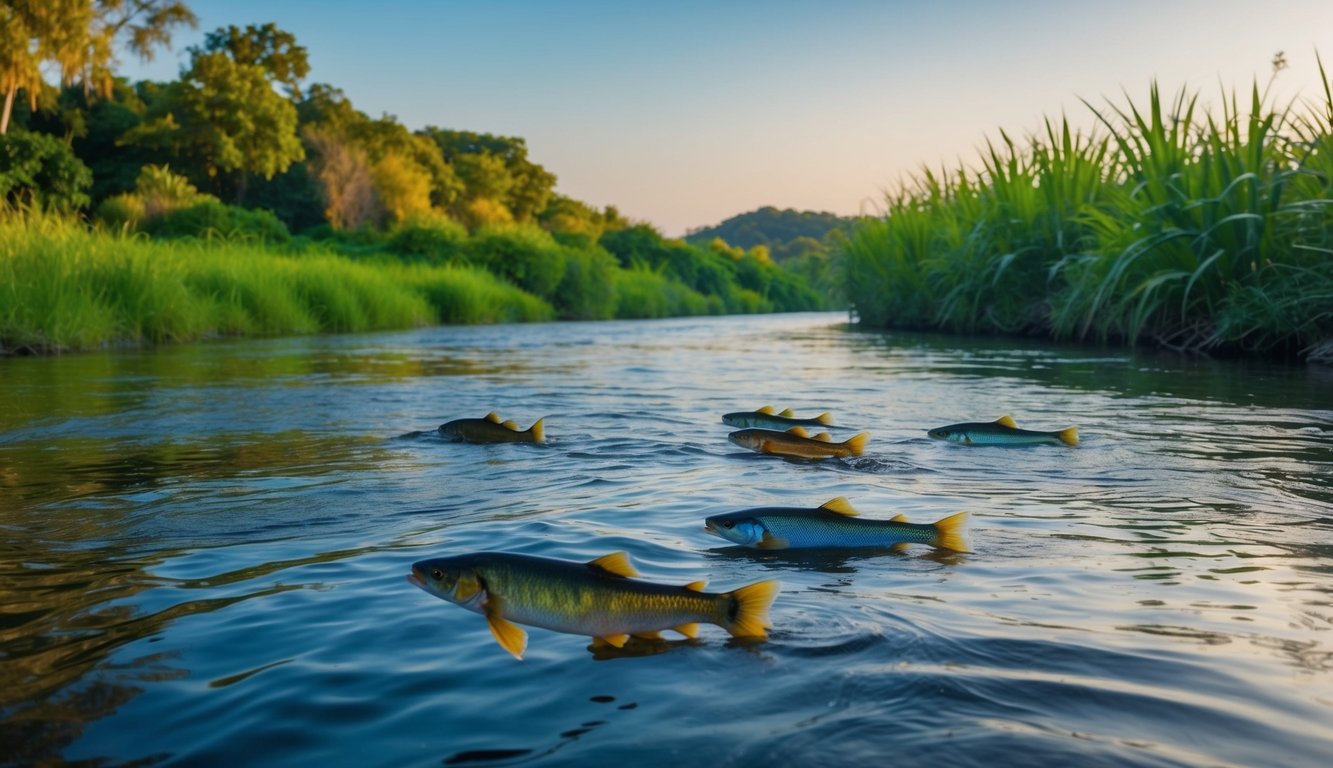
column 205, row 550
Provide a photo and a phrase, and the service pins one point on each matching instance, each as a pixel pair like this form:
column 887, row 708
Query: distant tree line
column 240, row 144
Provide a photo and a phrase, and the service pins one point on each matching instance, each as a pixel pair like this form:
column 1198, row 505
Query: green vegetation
column 239, row 200
column 1192, row 231
column 65, row 287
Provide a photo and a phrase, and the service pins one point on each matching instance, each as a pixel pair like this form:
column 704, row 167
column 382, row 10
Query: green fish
column 796, row 443
column 491, row 430
column 1002, row 431
column 765, row 418
column 832, row 525
column 596, row 598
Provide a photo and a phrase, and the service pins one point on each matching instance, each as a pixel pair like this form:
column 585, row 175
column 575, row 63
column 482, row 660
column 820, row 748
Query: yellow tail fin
column 949, row 533
column 858, row 443
column 748, row 609
column 1069, row 436
column 538, row 431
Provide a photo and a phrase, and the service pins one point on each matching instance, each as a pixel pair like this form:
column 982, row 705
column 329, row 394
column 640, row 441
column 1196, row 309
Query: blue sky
column 685, row 113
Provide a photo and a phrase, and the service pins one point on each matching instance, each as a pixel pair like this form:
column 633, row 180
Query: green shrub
column 432, row 239
column 213, row 219
column 41, row 171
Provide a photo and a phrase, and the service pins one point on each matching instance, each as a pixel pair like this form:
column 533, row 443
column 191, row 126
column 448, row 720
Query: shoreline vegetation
column 1167, row 226
column 65, row 286
column 240, row 200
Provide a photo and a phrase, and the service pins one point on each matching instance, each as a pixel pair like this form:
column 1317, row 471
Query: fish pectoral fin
column 798, row 431
column 769, row 541
column 617, row 641
column 615, row 564
column 840, row 506
column 767, row 410
column 899, row 547
column 509, row 635
column 1007, row 421
column 689, row 630
column 696, row 586
column 493, row 417
column 787, row 413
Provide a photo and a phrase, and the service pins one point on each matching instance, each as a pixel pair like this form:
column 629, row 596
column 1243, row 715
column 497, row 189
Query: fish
column 765, row 418
column 491, row 430
column 796, row 443
column 833, row 524
column 599, row 598
column 1002, row 431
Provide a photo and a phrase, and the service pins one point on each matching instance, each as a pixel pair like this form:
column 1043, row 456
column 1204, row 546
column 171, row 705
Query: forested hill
column 782, row 231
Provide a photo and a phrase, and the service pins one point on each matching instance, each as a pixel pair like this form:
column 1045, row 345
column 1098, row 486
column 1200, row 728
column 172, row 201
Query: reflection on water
column 205, row 547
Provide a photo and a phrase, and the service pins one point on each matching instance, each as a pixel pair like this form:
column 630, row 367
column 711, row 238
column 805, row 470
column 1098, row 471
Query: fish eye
column 437, row 574
column 728, row 524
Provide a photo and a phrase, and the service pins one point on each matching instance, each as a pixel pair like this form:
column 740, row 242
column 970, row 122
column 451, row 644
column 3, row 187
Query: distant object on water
column 765, row 418
column 834, row 524
column 491, row 430
column 796, row 443
column 1002, row 431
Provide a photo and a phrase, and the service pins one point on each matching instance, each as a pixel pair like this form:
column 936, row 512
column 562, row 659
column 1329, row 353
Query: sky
column 683, row 114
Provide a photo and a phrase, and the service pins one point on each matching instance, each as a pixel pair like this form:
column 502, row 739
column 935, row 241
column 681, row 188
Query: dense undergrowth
column 1167, row 225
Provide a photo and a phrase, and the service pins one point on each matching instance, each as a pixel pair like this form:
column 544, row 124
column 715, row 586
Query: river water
column 205, row 550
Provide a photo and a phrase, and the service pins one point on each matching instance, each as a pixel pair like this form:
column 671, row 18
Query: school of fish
column 604, row 600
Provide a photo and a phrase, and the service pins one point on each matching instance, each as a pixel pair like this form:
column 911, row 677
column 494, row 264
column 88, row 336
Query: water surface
column 205, row 547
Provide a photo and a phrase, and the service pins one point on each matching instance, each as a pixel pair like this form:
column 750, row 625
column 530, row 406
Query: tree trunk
column 9, row 107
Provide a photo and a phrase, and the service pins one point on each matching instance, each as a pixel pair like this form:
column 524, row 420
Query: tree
column 224, row 118
column 496, row 168
column 266, row 47
column 80, row 38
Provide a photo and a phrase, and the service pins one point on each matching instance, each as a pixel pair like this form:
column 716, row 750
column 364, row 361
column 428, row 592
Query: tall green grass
column 1168, row 224
column 65, row 287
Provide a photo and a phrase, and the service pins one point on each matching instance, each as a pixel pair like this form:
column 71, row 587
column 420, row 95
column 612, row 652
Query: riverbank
column 1171, row 226
column 66, row 287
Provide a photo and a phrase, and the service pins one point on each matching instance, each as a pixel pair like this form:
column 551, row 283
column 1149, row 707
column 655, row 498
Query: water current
column 205, row 547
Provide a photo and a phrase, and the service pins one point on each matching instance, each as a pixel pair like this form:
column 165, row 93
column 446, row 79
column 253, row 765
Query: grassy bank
column 63, row 287
column 1167, row 225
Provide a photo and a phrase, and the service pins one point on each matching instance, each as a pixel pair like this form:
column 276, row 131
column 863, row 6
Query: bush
column 525, row 255
column 432, row 239
column 41, row 171
column 214, row 219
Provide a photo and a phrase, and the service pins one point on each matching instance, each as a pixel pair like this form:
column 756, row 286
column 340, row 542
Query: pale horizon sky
column 683, row 114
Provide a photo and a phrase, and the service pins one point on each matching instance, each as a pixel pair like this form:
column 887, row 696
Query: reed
column 1168, row 223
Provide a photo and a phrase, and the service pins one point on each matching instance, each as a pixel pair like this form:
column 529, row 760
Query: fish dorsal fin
column 696, row 586
column 509, row 424
column 824, row 418
column 615, row 564
column 898, row 518
column 787, row 412
column 798, row 431
column 767, row 410
column 826, row 437
column 493, row 417
column 1007, row 421
column 840, row 506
